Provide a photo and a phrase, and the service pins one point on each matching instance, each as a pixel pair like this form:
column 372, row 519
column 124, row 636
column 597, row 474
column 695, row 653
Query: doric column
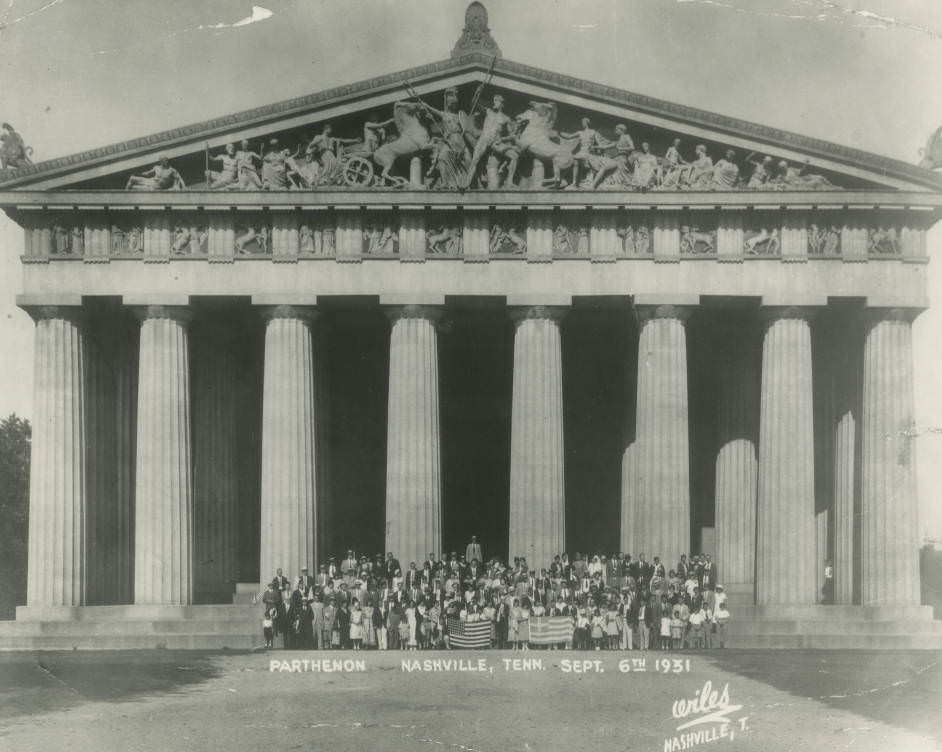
column 126, row 365
column 662, row 495
column 100, row 473
column 215, row 472
column 889, row 556
column 289, row 469
column 785, row 541
column 163, row 540
column 845, row 379
column 57, row 501
column 413, row 446
column 537, row 487
column 736, row 463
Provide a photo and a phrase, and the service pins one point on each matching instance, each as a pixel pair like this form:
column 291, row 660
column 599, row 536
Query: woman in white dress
column 356, row 625
column 412, row 621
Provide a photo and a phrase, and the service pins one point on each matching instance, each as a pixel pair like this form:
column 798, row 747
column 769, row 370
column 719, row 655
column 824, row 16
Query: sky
column 78, row 74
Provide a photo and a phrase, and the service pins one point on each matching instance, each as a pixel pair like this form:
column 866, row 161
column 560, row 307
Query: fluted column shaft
column 413, row 445
column 785, row 543
column 126, row 367
column 662, row 494
column 57, row 495
column 846, row 372
column 736, row 462
column 889, row 555
column 100, row 453
column 289, row 469
column 537, row 482
column 163, row 540
column 214, row 464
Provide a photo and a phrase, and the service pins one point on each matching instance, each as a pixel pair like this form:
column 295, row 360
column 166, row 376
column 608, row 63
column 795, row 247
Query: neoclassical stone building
column 488, row 299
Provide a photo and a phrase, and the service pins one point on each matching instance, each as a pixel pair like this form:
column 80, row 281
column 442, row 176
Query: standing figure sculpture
column 160, row 177
column 451, row 154
column 246, row 161
column 327, row 148
column 495, row 126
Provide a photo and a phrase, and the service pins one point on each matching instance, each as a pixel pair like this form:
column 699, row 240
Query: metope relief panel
column 508, row 234
column 762, row 234
column 824, row 236
column 633, row 230
column 697, row 234
column 127, row 239
column 444, row 234
column 316, row 234
column 380, row 233
column 252, row 235
column 570, row 233
column 190, row 240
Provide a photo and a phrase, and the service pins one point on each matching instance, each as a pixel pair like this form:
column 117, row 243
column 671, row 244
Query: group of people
column 610, row 602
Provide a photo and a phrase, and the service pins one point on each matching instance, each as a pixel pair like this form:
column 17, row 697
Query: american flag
column 548, row 630
column 468, row 634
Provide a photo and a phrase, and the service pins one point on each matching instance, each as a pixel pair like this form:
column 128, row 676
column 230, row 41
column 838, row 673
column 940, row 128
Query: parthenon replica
column 472, row 297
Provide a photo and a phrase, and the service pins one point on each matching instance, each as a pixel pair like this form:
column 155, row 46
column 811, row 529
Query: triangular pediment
column 527, row 152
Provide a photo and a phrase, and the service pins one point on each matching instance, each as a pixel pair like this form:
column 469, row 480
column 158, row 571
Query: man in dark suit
column 392, row 565
column 473, row 551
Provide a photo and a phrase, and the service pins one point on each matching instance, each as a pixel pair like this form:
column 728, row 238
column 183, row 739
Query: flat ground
column 167, row 700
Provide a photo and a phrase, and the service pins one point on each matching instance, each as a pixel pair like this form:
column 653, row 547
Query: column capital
column 272, row 312
column 876, row 315
column 519, row 314
column 75, row 314
column 182, row 314
column 668, row 311
column 770, row 314
column 431, row 313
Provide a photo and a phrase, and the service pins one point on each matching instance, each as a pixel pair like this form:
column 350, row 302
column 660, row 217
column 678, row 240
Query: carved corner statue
column 160, row 177
column 932, row 153
column 14, row 153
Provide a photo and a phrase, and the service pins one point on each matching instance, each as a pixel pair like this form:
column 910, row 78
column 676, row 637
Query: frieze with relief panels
column 598, row 234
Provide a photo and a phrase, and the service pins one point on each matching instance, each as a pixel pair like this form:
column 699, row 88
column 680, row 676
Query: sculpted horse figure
column 533, row 136
column 413, row 139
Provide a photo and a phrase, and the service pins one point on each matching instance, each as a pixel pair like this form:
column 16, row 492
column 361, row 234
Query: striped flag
column 548, row 630
column 468, row 634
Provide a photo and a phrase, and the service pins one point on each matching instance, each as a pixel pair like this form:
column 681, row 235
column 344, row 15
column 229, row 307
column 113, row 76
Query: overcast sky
column 78, row 74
